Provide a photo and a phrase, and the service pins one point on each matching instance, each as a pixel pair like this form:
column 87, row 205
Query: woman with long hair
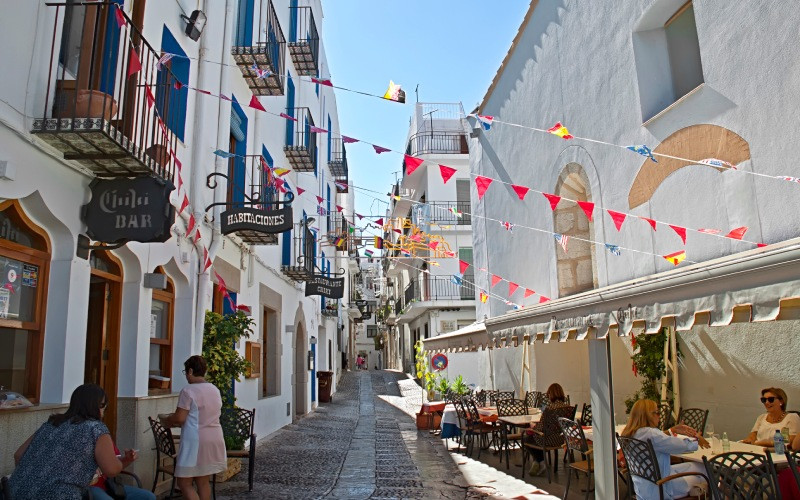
column 61, row 458
column 774, row 400
column 202, row 452
column 556, row 398
column 643, row 425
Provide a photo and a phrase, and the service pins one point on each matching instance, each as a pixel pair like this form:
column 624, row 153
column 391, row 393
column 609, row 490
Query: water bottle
column 726, row 444
column 780, row 448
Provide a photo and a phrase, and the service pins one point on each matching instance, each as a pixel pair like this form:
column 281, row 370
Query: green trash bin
column 325, row 386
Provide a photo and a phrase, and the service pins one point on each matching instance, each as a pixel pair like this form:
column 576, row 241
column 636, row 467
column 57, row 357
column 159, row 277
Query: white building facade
column 682, row 79
column 74, row 109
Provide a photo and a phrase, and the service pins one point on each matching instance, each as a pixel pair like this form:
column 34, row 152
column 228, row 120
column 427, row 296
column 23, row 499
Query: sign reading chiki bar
column 332, row 288
column 252, row 219
column 129, row 209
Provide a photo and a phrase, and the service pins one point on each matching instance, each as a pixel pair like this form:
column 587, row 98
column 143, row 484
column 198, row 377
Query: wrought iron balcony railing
column 338, row 165
column 331, row 308
column 434, row 288
column 260, row 50
column 441, row 212
column 301, row 141
column 304, row 41
column 109, row 104
column 300, row 265
column 437, row 143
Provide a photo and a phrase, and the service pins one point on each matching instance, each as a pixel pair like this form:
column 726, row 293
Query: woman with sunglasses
column 774, row 400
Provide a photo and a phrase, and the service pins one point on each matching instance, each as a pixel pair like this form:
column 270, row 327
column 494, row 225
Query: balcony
column 304, row 41
column 441, row 212
column 108, row 115
column 299, row 264
column 301, row 142
column 433, row 289
column 331, row 309
column 250, row 184
column 260, row 50
column 338, row 165
column 437, row 143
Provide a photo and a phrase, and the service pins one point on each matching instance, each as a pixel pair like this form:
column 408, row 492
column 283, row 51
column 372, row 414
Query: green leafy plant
column 424, row 375
column 648, row 363
column 225, row 364
column 459, row 387
column 444, row 385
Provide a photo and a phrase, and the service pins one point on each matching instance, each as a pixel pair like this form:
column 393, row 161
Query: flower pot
column 234, row 467
column 95, row 104
column 159, row 153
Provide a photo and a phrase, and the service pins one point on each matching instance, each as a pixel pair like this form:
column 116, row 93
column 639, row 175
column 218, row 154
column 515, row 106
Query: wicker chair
column 742, row 475
column 586, row 414
column 547, row 436
column 642, row 462
column 239, row 423
column 576, row 442
column 508, row 434
column 695, row 418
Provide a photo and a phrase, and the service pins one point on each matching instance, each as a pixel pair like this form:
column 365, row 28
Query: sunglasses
column 771, row 399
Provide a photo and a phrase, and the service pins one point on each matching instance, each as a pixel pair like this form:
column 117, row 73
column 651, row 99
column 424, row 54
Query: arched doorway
column 101, row 364
column 24, row 261
column 300, row 371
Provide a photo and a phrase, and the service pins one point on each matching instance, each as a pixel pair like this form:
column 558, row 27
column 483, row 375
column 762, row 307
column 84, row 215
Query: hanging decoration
column 560, row 130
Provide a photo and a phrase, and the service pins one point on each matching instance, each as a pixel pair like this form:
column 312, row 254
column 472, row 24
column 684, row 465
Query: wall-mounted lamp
column 308, row 221
column 195, row 24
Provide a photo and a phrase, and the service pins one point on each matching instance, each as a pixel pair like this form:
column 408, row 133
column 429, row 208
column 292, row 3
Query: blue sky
column 451, row 48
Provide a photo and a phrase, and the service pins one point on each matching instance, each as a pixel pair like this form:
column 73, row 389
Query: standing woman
column 202, row 451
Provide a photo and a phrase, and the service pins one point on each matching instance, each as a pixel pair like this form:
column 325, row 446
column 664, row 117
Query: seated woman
column 60, row 459
column 776, row 418
column 643, row 425
column 556, row 399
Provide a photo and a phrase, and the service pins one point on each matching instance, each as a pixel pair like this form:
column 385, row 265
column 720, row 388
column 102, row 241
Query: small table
column 449, row 424
column 697, row 456
column 521, row 420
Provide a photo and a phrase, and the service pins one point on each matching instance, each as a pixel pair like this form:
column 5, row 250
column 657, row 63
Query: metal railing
column 440, row 212
column 250, row 176
column 302, row 255
column 437, row 143
column 301, row 142
column 331, row 308
column 338, row 165
column 259, row 44
column 304, row 41
column 106, row 87
column 438, row 288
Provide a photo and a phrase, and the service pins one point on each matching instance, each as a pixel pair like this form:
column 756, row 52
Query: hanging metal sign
column 332, row 288
column 253, row 219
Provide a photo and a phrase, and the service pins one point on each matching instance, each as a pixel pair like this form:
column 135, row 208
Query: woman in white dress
column 774, row 400
column 202, row 453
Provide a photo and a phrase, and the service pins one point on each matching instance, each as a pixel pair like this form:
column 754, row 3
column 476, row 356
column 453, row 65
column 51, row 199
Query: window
column 372, row 331
column 161, row 327
column 270, row 194
column 463, row 202
column 171, row 102
column 24, row 259
column 667, row 52
column 271, row 354
column 244, row 24
column 290, row 109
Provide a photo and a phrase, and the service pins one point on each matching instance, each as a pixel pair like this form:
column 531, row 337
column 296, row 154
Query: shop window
column 162, row 312
column 24, row 259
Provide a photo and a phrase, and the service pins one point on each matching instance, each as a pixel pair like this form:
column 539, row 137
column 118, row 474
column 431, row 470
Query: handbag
column 114, row 489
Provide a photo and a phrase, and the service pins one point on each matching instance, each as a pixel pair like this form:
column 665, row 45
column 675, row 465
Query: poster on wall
column 5, row 297
column 30, row 275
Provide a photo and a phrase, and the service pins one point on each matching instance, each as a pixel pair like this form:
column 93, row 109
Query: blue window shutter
column 289, row 110
column 244, row 24
column 322, row 301
column 227, row 307
column 239, row 132
column 329, row 207
column 293, row 21
column 171, row 103
column 286, row 248
column 269, row 193
column 330, row 141
column 109, row 69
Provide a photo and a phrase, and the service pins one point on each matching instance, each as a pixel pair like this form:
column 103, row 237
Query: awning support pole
column 605, row 452
column 671, row 373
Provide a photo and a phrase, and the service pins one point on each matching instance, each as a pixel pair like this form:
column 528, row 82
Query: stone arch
column 576, row 269
column 300, row 389
column 696, row 142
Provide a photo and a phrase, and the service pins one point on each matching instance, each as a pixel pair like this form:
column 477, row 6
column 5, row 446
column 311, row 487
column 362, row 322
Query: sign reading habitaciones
column 130, row 209
column 253, row 219
column 332, row 288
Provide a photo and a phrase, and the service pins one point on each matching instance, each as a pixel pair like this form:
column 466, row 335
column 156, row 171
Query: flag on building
column 644, row 151
column 284, row 115
column 676, row 258
column 164, row 59
column 614, row 249
column 562, row 240
column 509, row 226
column 338, row 242
column 316, row 130
column 714, row 162
column 484, row 297
column 321, row 210
column 395, row 93
column 485, row 121
column 455, row 212
column 456, row 279
column 341, row 185
column 322, row 81
column 368, row 253
column 560, row 130
column 378, row 244
column 260, row 73
column 223, row 154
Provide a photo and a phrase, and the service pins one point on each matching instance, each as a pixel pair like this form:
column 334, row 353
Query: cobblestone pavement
column 362, row 445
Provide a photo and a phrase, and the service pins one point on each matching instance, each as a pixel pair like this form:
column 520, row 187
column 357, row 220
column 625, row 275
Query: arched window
column 577, row 271
column 24, row 260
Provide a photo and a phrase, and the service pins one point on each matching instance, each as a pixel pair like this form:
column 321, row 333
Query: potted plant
column 648, row 362
column 443, row 386
column 221, row 333
column 459, row 387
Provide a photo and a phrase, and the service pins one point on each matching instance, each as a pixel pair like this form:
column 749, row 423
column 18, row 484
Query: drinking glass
column 716, row 444
column 709, row 431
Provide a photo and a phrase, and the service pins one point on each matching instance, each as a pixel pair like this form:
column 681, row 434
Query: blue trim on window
column 286, row 248
column 324, row 272
column 269, row 193
column 108, row 78
column 293, row 21
column 314, row 373
column 244, row 24
column 166, row 94
column 329, row 208
column 226, row 304
column 289, row 109
column 237, row 175
column 330, row 140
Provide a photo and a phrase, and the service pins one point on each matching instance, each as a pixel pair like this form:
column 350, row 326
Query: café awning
column 467, row 338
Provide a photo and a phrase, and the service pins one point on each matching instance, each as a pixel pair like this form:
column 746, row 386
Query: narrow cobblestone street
column 362, row 445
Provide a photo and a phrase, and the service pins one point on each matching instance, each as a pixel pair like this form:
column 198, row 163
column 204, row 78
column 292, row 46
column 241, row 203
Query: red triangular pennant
column 446, row 172
column 738, row 233
column 496, row 280
column 184, row 204
column 148, row 94
column 483, row 185
column 681, row 232
column 256, row 104
column 588, row 208
column 528, row 293
column 339, row 208
column 649, row 221
column 617, row 217
column 520, row 190
column 412, row 164
column 512, row 287
column 379, row 221
column 553, row 199
column 380, row 149
column 134, row 63
column 191, row 224
column 119, row 17
column 196, row 236
column 543, row 299
column 761, row 245
column 320, row 200
column 462, row 266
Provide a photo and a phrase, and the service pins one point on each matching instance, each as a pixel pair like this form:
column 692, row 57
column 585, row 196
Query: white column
column 605, row 453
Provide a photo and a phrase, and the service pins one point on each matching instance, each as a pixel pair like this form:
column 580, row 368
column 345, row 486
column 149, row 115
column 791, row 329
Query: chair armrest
column 134, row 476
column 681, row 474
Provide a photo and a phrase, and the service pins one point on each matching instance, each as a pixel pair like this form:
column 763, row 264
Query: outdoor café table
column 449, row 424
column 697, row 456
column 588, row 431
column 521, row 420
column 488, row 411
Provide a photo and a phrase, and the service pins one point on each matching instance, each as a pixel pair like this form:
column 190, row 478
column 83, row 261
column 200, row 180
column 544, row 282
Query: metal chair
column 665, row 411
column 641, row 460
column 6, row 490
column 498, row 395
column 793, row 457
column 547, row 436
column 695, row 418
column 165, row 445
column 470, row 426
column 586, row 414
column 238, row 423
column 508, row 408
column 480, row 397
column 742, row 475
column 576, row 442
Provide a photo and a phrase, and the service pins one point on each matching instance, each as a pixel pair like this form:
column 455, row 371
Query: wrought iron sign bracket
column 251, row 200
